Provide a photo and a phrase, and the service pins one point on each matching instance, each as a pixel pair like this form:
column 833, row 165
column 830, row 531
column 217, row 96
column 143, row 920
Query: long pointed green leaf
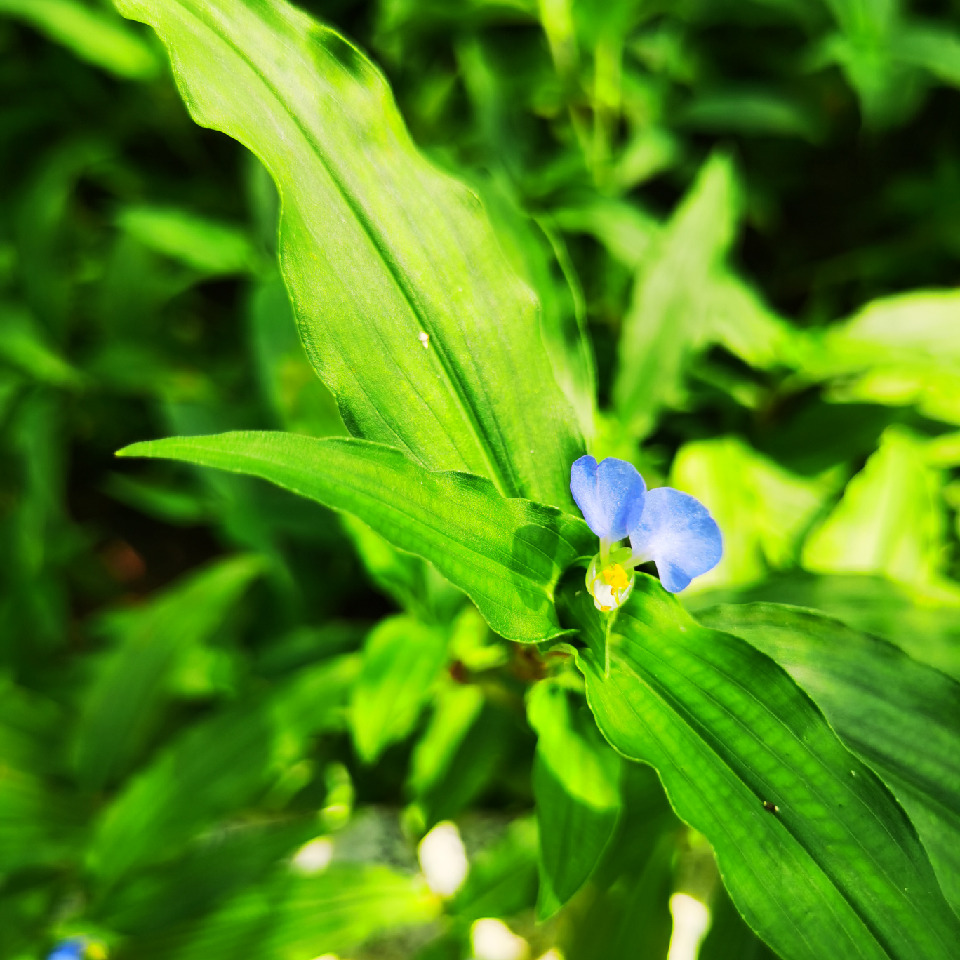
column 669, row 308
column 407, row 306
column 899, row 715
column 505, row 554
column 815, row 852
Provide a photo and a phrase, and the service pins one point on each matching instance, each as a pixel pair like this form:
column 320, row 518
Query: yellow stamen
column 615, row 577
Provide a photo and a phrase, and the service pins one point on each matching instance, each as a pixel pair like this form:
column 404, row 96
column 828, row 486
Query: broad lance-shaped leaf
column 899, row 715
column 407, row 306
column 505, row 554
column 816, row 853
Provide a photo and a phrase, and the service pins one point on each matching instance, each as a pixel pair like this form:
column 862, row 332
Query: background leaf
column 576, row 781
column 401, row 660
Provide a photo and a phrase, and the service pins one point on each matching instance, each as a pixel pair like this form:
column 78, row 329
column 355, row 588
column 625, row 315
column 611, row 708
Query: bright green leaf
column 460, row 751
column 401, row 660
column 407, row 307
column 93, row 35
column 666, row 316
column 505, row 554
column 889, row 521
column 576, row 784
column 210, row 247
column 762, row 509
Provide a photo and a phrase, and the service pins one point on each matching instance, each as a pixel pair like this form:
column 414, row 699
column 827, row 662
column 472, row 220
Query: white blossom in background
column 443, row 859
column 313, row 857
column 493, row 940
column 691, row 920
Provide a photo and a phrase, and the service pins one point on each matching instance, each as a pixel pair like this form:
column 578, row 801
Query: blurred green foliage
column 754, row 209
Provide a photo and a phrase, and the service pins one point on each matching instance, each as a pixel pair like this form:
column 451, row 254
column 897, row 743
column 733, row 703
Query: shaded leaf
column 401, row 660
column 899, row 715
column 120, row 710
column 576, row 781
column 295, row 917
column 815, row 852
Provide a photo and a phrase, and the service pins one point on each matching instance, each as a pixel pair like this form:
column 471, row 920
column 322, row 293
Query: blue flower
column 671, row 528
column 72, row 949
column 78, row 948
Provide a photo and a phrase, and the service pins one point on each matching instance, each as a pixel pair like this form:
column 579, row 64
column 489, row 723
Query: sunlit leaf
column 889, row 521
column 464, row 744
column 406, row 305
column 505, row 554
column 665, row 318
column 762, row 509
column 96, row 36
column 206, row 245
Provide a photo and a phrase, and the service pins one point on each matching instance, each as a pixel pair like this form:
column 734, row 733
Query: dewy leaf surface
column 899, row 715
column 378, row 248
column 505, row 554
column 815, row 852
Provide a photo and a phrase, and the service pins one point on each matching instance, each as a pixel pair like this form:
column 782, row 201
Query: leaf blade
column 378, row 247
column 896, row 713
column 804, row 846
column 505, row 554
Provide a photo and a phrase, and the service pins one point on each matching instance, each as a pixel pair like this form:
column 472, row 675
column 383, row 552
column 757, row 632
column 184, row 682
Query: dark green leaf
column 899, row 715
column 121, row 709
column 814, row 850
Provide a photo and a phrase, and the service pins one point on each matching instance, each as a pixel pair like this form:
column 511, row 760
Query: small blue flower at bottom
column 671, row 528
column 78, row 948
column 72, row 949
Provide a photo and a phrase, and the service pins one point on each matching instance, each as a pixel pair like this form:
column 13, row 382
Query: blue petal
column 610, row 496
column 71, row 949
column 678, row 533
